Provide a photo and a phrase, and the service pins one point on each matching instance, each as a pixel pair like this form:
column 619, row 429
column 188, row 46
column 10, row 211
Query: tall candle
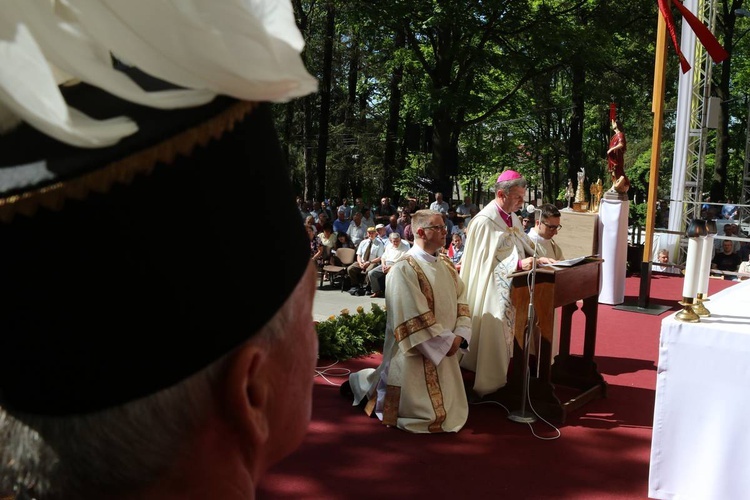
column 692, row 267
column 705, row 271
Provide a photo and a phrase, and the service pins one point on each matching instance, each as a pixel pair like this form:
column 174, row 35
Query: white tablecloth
column 701, row 436
column 613, row 242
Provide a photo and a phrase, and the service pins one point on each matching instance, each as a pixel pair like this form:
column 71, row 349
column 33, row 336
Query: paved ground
column 330, row 301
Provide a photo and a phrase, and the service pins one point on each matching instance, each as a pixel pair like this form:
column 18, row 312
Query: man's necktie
column 367, row 252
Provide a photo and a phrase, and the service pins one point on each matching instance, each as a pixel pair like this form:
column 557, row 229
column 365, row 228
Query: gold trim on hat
column 124, row 170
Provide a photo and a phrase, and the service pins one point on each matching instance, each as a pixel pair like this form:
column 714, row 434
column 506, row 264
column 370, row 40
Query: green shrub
column 351, row 336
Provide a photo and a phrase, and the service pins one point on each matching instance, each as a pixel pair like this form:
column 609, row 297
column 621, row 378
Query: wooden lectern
column 573, row 375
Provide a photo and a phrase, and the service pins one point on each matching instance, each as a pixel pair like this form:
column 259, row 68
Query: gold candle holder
column 687, row 315
column 699, row 308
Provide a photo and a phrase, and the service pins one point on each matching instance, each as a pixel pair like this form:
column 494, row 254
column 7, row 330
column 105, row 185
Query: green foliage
column 523, row 84
column 407, row 182
column 350, row 336
column 637, row 214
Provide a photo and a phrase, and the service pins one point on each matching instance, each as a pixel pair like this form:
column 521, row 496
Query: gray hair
column 124, row 448
column 506, row 186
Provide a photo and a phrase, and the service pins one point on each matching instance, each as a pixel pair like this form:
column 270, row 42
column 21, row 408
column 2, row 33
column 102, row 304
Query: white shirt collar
column 418, row 253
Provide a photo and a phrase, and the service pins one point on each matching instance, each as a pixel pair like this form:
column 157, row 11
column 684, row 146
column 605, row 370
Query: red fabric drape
column 707, row 39
column 667, row 15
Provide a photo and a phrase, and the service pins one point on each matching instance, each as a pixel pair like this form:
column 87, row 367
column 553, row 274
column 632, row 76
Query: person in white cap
column 495, row 247
column 369, row 254
column 382, row 234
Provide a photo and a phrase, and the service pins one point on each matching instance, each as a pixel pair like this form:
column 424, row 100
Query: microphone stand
column 522, row 416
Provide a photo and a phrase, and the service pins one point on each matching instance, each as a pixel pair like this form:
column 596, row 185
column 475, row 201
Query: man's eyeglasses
column 437, row 228
column 552, row 226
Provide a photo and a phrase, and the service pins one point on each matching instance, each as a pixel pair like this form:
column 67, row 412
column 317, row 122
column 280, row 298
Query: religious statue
column 596, row 195
column 580, row 193
column 569, row 193
column 616, row 158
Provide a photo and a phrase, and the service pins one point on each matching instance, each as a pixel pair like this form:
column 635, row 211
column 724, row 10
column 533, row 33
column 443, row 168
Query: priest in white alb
column 419, row 387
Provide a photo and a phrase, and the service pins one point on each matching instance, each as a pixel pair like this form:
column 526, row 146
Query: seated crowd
column 730, row 260
column 342, row 224
column 381, row 234
column 731, row 255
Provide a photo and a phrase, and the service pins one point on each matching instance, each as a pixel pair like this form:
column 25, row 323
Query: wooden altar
column 573, row 375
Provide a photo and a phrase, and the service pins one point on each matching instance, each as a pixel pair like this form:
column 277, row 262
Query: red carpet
column 602, row 452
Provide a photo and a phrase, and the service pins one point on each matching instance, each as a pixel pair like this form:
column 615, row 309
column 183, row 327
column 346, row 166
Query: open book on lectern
column 560, row 264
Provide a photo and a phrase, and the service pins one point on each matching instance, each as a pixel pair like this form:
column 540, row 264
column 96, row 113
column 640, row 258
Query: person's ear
column 247, row 401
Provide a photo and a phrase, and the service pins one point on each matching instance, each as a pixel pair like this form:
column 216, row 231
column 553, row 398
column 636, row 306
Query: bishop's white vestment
column 492, row 251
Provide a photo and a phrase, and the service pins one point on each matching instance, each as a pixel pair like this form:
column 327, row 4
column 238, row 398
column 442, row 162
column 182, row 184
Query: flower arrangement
column 351, row 335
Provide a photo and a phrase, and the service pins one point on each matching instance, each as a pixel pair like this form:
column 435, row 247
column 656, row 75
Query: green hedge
column 351, row 335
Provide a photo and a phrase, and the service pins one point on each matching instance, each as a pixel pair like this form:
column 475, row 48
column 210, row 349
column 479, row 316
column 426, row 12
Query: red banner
column 707, row 39
column 667, row 15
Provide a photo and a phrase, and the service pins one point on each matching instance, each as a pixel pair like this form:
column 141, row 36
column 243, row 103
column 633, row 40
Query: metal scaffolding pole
column 691, row 135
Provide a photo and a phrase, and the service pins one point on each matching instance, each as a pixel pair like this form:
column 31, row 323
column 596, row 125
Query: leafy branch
column 351, row 335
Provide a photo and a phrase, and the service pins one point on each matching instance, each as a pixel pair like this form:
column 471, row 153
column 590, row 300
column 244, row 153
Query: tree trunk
column 719, row 179
column 325, row 101
column 575, row 143
column 441, row 153
column 351, row 151
column 391, row 133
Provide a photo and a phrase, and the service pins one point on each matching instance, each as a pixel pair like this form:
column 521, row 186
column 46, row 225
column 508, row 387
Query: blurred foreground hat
column 371, row 229
column 379, row 226
column 125, row 264
column 508, row 175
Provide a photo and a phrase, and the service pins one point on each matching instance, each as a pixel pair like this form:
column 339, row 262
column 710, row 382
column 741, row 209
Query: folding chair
column 347, row 256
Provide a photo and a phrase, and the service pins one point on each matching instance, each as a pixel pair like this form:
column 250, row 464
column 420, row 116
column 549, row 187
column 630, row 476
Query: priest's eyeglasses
column 552, row 226
column 437, row 228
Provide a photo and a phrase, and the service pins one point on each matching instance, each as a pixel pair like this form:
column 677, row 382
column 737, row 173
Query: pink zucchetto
column 509, row 175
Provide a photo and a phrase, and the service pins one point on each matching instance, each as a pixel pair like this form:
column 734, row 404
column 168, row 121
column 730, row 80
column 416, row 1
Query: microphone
column 531, row 208
column 522, row 416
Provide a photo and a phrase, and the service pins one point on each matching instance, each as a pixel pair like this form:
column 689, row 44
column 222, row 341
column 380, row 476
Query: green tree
column 494, row 84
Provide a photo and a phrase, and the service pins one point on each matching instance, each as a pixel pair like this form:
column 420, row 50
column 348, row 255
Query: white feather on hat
column 254, row 56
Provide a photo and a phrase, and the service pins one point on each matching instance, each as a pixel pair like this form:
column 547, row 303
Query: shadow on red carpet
column 602, row 452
